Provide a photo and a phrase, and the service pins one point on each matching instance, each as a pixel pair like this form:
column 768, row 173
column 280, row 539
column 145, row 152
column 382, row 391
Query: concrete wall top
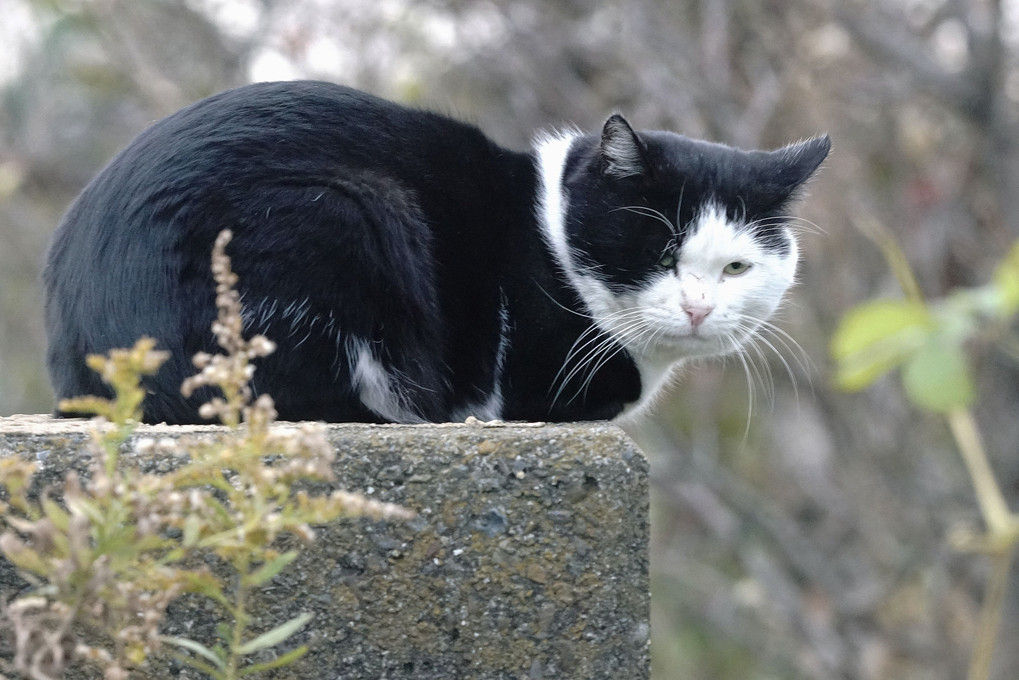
column 528, row 559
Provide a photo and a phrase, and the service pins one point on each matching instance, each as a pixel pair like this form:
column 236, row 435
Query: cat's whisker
column 795, row 350
column 652, row 338
column 793, row 222
column 751, row 391
column 762, row 370
column 646, row 211
column 622, row 334
column 559, row 304
column 766, row 330
column 803, row 225
column 575, row 349
column 595, row 329
column 596, row 366
column 789, row 342
column 582, row 343
column 631, row 334
column 679, row 205
column 587, row 367
column 762, row 367
column 797, row 355
column 594, row 336
column 592, row 269
column 763, row 338
column 598, row 355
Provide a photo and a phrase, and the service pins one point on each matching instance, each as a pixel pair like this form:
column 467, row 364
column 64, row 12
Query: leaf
column 198, row 664
column 288, row 658
column 937, row 377
column 224, row 630
column 1006, row 281
column 207, row 584
column 270, row 569
column 21, row 556
column 222, row 514
column 55, row 513
column 86, row 406
column 80, row 504
column 876, row 337
column 192, row 531
column 16, row 474
column 195, row 647
column 276, row 635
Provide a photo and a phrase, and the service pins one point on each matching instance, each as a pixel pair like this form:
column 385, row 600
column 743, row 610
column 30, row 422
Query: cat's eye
column 667, row 260
column 736, row 268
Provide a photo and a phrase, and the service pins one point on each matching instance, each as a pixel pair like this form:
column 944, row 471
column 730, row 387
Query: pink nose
column 697, row 313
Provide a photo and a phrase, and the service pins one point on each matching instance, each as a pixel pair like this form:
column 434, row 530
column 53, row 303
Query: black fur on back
column 352, row 218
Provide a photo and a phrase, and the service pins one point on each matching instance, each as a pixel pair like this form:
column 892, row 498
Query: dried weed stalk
column 108, row 560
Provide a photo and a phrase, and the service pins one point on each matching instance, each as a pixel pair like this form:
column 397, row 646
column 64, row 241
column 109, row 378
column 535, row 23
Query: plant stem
column 990, row 616
column 1001, row 535
column 240, row 624
column 896, row 258
column 992, row 503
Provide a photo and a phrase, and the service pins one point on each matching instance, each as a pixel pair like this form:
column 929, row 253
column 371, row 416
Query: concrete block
column 528, row 560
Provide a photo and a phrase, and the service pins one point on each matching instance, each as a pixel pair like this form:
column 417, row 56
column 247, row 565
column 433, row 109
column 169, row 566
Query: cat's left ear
column 622, row 152
column 794, row 164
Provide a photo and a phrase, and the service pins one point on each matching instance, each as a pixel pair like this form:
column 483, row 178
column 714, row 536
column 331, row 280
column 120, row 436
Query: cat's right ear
column 797, row 162
column 621, row 150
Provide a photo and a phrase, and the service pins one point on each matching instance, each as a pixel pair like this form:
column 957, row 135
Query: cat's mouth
column 691, row 342
column 665, row 333
column 679, row 337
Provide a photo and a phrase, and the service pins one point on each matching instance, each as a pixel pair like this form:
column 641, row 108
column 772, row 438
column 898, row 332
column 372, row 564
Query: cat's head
column 679, row 248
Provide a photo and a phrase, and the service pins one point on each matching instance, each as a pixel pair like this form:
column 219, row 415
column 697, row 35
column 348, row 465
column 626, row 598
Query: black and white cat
column 410, row 269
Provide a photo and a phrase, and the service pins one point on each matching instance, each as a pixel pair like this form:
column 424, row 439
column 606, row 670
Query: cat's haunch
column 410, row 269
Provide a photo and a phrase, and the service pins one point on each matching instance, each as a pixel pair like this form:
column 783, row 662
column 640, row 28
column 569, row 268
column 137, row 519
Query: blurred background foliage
column 810, row 543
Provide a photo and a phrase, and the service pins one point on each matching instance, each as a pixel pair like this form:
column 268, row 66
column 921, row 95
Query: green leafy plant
column 931, row 344
column 109, row 557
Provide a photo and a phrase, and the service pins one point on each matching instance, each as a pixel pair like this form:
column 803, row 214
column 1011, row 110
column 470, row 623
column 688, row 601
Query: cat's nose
column 697, row 312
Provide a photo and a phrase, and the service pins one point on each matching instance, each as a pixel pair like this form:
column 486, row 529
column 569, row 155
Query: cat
column 412, row 270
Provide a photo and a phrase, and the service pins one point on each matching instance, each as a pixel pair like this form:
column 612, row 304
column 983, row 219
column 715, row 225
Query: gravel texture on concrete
column 528, row 558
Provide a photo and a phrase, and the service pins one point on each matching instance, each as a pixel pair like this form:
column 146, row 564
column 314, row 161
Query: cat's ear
column 795, row 163
column 622, row 152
